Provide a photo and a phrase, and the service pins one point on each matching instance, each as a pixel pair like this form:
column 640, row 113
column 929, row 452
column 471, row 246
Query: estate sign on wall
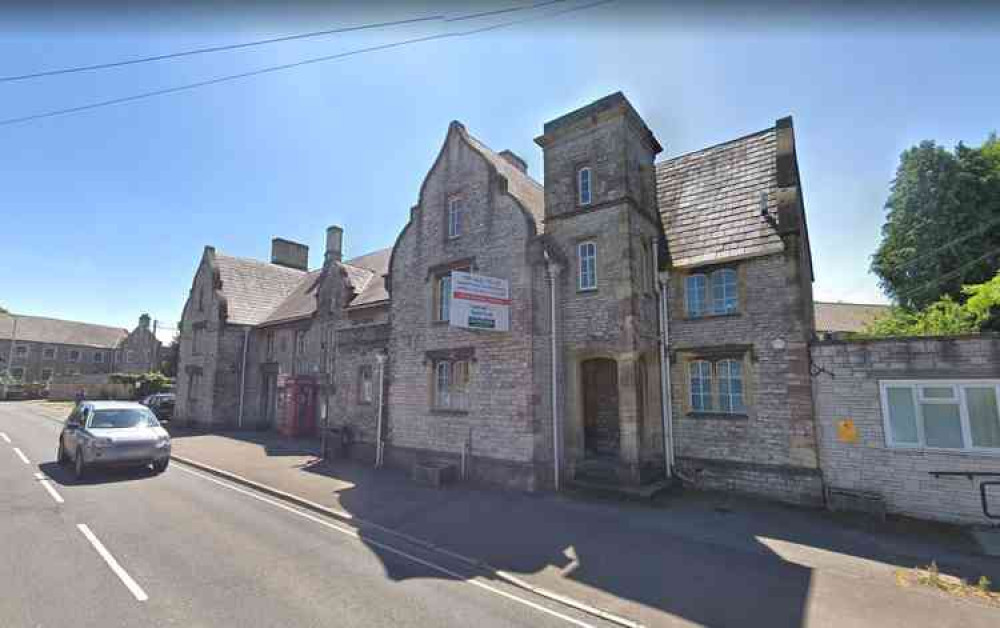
column 479, row 302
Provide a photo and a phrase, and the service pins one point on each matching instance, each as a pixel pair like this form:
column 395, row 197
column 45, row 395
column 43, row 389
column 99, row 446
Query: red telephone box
column 300, row 406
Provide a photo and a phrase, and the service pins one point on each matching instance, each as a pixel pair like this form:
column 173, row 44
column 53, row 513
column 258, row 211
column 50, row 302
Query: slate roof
column 57, row 331
column 254, row 289
column 710, row 201
column 846, row 317
column 300, row 302
column 376, row 266
column 520, row 185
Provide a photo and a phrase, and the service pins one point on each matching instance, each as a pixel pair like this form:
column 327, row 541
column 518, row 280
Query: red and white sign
column 479, row 302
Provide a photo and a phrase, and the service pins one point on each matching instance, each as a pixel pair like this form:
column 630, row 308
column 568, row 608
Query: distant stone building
column 715, row 240
column 836, row 320
column 36, row 349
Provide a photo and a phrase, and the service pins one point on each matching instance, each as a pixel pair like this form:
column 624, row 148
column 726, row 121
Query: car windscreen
column 122, row 418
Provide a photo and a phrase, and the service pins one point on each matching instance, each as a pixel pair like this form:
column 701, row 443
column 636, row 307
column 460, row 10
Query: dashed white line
column 20, row 454
column 393, row 550
column 44, row 481
column 126, row 579
column 4, row 436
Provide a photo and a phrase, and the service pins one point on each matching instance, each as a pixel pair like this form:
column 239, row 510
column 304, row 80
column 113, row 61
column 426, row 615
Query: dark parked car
column 162, row 405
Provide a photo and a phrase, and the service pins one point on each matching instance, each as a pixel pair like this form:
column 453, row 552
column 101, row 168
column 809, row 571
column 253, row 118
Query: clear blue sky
column 104, row 213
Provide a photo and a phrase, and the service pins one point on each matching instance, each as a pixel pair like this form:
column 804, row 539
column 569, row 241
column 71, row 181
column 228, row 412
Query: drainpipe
column 243, row 376
column 553, row 274
column 380, row 358
column 666, row 407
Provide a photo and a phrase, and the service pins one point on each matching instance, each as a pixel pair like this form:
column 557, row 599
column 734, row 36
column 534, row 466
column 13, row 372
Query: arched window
column 730, row 374
column 724, row 293
column 694, row 294
column 700, row 375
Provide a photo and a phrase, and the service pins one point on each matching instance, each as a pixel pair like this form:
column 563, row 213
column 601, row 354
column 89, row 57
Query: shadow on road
column 63, row 475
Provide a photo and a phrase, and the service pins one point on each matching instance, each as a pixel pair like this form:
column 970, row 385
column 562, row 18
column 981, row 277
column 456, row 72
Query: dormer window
column 583, row 184
column 454, row 218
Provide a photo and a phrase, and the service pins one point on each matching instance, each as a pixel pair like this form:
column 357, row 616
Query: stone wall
column 847, row 389
column 35, row 362
column 770, row 449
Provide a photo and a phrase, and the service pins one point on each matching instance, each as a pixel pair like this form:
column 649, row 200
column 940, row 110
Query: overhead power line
column 947, row 245
column 262, row 42
column 948, row 275
column 287, row 66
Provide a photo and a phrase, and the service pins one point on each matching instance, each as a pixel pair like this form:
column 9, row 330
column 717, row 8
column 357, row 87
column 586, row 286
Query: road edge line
column 360, row 523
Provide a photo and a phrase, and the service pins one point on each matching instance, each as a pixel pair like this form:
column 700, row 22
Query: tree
column 946, row 316
column 942, row 228
column 3, row 311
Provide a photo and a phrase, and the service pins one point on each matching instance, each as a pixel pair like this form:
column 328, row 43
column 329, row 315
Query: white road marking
column 4, row 436
column 44, row 481
column 126, row 579
column 354, row 534
column 20, row 454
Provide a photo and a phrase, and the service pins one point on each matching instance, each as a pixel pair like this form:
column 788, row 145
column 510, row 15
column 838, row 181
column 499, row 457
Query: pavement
column 129, row 548
column 692, row 559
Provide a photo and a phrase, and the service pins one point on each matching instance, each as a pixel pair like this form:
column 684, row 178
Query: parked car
column 113, row 433
column 162, row 405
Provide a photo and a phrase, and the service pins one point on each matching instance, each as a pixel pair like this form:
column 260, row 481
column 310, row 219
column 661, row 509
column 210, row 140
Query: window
column 956, row 415
column 724, row 291
column 715, row 293
column 730, row 374
column 701, row 385
column 201, row 300
column 17, row 372
column 365, row 389
column 269, row 342
column 46, row 375
column 74, row 356
column 300, row 343
column 583, row 184
column 454, row 218
column 586, row 253
column 130, row 356
column 443, row 306
column 49, row 353
column 21, row 351
column 451, row 385
column 99, row 357
column 645, row 268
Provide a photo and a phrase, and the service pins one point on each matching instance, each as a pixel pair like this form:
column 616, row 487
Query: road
column 126, row 548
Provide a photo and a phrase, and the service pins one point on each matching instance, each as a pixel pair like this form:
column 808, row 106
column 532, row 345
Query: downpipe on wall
column 666, row 404
column 553, row 272
column 243, row 376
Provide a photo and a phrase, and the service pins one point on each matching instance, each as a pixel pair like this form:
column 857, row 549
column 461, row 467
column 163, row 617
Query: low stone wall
column 854, row 451
column 94, row 386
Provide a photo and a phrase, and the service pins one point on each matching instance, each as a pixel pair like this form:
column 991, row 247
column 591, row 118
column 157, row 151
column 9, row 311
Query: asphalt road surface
column 130, row 548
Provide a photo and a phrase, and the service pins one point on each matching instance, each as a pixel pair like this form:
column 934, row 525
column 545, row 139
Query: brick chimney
column 514, row 160
column 290, row 254
column 334, row 244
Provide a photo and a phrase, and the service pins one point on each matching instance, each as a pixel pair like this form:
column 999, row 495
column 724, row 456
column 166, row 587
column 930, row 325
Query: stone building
column 711, row 246
column 36, row 349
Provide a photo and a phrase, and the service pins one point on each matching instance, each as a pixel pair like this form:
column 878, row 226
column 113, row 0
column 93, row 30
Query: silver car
column 113, row 433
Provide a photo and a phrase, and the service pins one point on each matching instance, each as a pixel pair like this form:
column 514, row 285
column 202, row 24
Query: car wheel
column 61, row 456
column 160, row 466
column 79, row 468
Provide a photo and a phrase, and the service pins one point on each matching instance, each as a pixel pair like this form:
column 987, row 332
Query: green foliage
column 4, row 311
column 946, row 316
column 143, row 383
column 942, row 228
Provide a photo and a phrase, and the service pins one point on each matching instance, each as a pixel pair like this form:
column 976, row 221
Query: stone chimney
column 144, row 321
column 291, row 254
column 515, row 160
column 334, row 244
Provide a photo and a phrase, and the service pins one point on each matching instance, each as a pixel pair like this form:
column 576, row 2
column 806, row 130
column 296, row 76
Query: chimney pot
column 334, row 243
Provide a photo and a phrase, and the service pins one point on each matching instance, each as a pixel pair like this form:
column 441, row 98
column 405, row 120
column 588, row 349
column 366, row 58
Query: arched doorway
column 601, row 425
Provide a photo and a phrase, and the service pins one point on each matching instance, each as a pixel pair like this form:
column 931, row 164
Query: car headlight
column 163, row 442
column 101, row 443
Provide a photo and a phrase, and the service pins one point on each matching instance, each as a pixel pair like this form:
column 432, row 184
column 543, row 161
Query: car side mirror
column 73, row 425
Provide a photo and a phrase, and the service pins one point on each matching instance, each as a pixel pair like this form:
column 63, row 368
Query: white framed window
column 98, row 357
column 694, row 294
column 700, row 377
column 17, row 372
column 74, row 355
column 724, row 299
column 365, row 387
column 21, row 351
column 454, row 218
column 49, row 353
column 715, row 293
column 442, row 307
column 586, row 253
column 46, row 375
column 451, row 385
column 583, row 185
column 955, row 415
column 730, row 375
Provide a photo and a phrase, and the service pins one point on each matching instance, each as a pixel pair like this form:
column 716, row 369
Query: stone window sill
column 586, row 291
column 717, row 416
column 448, row 412
column 708, row 317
